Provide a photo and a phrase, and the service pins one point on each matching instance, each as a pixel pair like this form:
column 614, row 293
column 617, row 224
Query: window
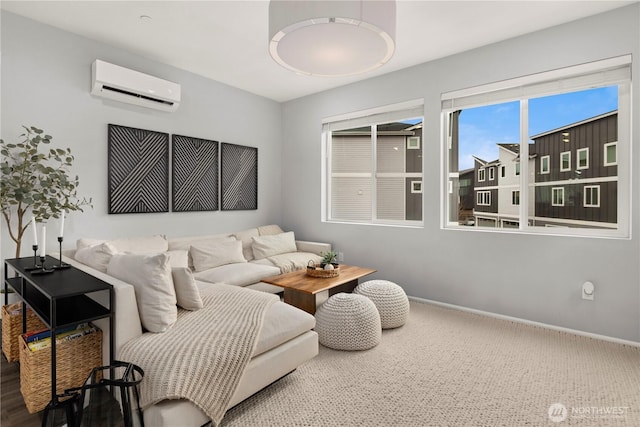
column 531, row 127
column 515, row 197
column 592, row 196
column 565, row 161
column 557, row 196
column 611, row 154
column 544, row 164
column 483, row 198
column 492, row 174
column 481, row 173
column 583, row 158
column 373, row 166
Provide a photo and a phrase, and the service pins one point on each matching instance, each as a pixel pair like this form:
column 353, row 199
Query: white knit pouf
column 390, row 300
column 348, row 322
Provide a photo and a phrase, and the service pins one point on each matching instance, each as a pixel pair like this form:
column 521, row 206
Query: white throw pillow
column 269, row 230
column 187, row 292
column 150, row 275
column 134, row 245
column 246, row 237
column 178, row 259
column 96, row 256
column 184, row 243
column 222, row 253
column 266, row 246
column 141, row 245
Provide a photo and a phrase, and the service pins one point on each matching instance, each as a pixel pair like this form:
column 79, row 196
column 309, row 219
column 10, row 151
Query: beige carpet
column 451, row 368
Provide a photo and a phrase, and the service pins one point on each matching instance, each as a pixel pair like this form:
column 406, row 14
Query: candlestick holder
column 61, row 265
column 36, row 266
column 43, row 269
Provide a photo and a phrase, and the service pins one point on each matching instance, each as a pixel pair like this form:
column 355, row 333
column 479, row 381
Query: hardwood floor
column 13, row 410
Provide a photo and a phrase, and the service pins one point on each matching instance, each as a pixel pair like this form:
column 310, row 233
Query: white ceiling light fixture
column 332, row 38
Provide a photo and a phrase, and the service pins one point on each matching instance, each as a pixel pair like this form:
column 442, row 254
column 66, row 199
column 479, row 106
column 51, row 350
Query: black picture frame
column 138, row 170
column 238, row 177
column 194, row 174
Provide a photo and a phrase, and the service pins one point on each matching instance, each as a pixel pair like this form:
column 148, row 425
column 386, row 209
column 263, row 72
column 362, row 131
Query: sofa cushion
column 282, row 322
column 266, row 246
column 268, row 230
column 150, row 275
column 178, row 258
column 184, row 243
column 246, row 237
column 237, row 274
column 137, row 245
column 187, row 293
column 211, row 256
column 96, row 256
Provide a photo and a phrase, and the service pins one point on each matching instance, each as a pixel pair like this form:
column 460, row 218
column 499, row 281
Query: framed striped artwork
column 194, row 165
column 238, row 177
column 138, row 170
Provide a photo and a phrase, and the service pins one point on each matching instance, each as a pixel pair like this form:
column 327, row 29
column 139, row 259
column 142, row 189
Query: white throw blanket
column 204, row 354
column 294, row 261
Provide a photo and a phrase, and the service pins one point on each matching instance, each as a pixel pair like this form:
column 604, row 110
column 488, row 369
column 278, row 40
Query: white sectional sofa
column 286, row 338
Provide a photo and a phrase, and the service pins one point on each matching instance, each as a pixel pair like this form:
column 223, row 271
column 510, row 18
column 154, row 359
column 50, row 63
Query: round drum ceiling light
column 332, row 38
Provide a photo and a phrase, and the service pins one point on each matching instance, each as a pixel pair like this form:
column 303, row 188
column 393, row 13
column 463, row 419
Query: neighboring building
column 572, row 171
column 466, row 200
column 497, row 190
column 576, row 174
column 398, row 172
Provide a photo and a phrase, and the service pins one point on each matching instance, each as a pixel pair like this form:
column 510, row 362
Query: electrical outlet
column 340, row 256
column 588, row 290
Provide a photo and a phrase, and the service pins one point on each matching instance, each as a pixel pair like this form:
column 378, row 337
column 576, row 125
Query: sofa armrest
column 313, row 247
column 127, row 319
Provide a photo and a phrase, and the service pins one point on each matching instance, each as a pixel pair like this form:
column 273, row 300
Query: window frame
column 492, row 174
column 614, row 71
column 516, row 169
column 515, row 194
column 607, row 145
column 482, row 174
column 413, row 109
column 480, row 198
column 560, row 191
column 578, row 151
column 544, row 171
column 568, row 168
column 584, row 196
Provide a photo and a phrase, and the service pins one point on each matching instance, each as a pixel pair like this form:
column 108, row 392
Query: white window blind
column 390, row 113
column 605, row 72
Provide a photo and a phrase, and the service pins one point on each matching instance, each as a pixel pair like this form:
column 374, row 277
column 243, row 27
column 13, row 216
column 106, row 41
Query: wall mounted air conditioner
column 133, row 87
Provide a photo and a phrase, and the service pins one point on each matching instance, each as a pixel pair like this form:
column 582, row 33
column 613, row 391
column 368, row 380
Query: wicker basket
column 12, row 328
column 74, row 361
column 314, row 271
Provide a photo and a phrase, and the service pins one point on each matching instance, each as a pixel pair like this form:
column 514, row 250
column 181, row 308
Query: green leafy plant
column 328, row 257
column 35, row 182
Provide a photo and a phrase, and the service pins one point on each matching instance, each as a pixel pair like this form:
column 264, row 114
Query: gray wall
column 537, row 278
column 46, row 77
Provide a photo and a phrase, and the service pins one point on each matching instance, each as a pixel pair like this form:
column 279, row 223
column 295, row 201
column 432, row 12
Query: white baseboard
column 528, row 322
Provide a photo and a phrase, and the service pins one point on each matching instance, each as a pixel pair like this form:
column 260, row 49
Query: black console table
column 59, row 299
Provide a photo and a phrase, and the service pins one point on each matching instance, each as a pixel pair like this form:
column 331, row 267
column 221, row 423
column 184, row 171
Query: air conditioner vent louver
column 133, row 87
column 126, row 92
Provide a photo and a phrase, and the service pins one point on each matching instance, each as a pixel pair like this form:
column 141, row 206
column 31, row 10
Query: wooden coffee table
column 300, row 290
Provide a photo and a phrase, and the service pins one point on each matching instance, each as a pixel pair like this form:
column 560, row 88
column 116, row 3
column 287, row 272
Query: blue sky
column 482, row 128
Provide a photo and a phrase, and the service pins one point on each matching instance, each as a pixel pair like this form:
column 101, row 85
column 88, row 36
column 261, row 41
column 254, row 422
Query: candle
column 43, row 251
column 61, row 225
column 35, row 232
